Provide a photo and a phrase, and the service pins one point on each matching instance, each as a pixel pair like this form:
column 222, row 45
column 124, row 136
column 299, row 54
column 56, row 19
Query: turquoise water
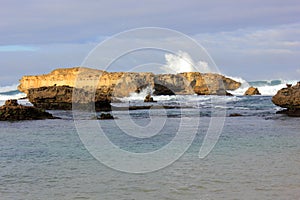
column 257, row 157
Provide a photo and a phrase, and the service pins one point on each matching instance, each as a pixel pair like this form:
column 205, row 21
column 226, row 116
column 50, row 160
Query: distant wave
column 265, row 87
column 10, row 92
column 8, row 88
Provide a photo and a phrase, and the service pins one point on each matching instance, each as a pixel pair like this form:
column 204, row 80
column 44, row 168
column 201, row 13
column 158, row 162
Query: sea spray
column 265, row 87
column 244, row 86
column 183, row 62
column 270, row 88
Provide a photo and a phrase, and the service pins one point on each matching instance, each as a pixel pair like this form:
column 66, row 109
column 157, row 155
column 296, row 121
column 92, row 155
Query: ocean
column 256, row 155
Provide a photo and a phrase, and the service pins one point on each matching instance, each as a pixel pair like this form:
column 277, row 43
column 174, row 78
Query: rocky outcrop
column 209, row 84
column 289, row 98
column 148, row 98
column 12, row 111
column 252, row 91
column 235, row 115
column 61, row 98
column 104, row 116
column 55, row 90
column 123, row 83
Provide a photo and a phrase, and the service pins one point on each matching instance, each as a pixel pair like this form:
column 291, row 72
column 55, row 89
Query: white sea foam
column 265, row 87
column 270, row 90
column 8, row 88
column 10, row 92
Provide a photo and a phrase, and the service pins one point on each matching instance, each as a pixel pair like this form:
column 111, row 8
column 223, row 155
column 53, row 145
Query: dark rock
column 235, row 115
column 288, row 98
column 61, row 98
column 162, row 90
column 115, row 108
column 252, row 91
column 290, row 113
column 11, row 102
column 12, row 111
column 105, row 116
column 229, row 94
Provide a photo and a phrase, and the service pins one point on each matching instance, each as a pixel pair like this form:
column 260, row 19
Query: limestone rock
column 209, row 83
column 12, row 111
column 61, row 98
column 289, row 98
column 252, row 91
column 123, row 83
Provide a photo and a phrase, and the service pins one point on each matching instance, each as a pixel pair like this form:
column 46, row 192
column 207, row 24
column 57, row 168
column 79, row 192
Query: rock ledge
column 12, row 111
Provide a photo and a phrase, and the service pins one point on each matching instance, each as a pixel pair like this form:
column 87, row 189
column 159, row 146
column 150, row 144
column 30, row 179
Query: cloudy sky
column 253, row 39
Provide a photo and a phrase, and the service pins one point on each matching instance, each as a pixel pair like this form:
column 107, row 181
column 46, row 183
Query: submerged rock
column 12, row 111
column 252, row 91
column 235, row 115
column 288, row 98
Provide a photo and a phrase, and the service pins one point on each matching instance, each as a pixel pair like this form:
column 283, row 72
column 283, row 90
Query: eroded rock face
column 12, row 111
column 252, row 91
column 61, row 98
column 123, row 83
column 289, row 98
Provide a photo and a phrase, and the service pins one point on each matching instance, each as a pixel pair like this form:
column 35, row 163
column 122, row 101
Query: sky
column 252, row 39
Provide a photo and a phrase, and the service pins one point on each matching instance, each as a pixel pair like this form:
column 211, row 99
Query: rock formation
column 289, row 98
column 104, row 116
column 124, row 83
column 61, row 98
column 54, row 90
column 12, row 111
column 252, row 91
column 235, row 115
column 148, row 98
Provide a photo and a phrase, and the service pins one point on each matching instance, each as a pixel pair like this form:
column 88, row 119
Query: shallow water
column 256, row 157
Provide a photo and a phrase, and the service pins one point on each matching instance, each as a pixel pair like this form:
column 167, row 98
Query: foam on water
column 265, row 87
column 10, row 92
column 8, row 88
column 270, row 88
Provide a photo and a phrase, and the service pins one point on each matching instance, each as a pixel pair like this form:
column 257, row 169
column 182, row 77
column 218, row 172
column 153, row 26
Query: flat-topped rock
column 55, row 90
column 124, row 83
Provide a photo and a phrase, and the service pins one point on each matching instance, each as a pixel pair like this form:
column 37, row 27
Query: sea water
column 255, row 157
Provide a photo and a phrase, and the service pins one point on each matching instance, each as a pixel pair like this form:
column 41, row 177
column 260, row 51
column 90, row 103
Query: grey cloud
column 79, row 21
column 249, row 38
